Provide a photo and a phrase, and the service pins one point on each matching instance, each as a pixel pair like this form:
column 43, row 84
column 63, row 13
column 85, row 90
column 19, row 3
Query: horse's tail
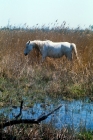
column 74, row 49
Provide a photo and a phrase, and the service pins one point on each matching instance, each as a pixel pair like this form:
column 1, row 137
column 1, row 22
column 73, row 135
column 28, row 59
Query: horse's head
column 29, row 47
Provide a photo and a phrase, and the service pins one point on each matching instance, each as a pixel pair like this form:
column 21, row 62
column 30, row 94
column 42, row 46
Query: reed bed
column 60, row 75
column 25, row 76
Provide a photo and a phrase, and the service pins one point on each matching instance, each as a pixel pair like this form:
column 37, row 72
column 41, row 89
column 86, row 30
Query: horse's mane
column 39, row 44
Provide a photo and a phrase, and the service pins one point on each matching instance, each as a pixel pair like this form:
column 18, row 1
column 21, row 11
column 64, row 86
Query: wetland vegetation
column 25, row 78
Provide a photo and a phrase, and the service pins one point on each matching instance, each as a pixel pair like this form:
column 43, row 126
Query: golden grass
column 26, row 76
column 58, row 73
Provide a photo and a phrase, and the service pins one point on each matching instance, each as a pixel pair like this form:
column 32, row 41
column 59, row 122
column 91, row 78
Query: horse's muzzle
column 25, row 54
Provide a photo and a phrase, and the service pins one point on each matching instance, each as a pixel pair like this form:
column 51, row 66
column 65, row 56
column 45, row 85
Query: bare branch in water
column 28, row 121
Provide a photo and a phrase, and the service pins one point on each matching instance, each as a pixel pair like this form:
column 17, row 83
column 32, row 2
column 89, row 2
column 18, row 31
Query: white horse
column 52, row 49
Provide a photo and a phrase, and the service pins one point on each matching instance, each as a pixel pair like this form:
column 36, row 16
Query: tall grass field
column 25, row 77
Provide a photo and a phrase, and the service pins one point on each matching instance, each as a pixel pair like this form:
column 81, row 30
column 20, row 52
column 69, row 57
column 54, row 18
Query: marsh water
column 75, row 113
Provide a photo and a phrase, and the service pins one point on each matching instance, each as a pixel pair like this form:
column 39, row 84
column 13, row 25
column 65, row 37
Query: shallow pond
column 74, row 114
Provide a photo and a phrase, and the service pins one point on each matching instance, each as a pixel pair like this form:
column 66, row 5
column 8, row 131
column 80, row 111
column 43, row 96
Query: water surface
column 74, row 114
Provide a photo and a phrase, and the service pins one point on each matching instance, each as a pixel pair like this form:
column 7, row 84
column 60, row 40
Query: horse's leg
column 43, row 58
column 44, row 55
column 42, row 61
column 69, row 56
column 70, row 60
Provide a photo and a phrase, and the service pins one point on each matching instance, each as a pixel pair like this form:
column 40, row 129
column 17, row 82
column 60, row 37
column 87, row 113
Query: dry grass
column 58, row 73
column 54, row 77
column 37, row 132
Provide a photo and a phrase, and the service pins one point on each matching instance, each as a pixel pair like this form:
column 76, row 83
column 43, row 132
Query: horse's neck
column 38, row 47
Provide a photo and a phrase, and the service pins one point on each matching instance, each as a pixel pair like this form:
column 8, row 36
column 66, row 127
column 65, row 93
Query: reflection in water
column 72, row 113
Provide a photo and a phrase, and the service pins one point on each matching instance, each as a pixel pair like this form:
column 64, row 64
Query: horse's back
column 59, row 44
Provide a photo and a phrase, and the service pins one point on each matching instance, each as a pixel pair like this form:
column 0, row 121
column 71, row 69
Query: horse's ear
column 29, row 41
